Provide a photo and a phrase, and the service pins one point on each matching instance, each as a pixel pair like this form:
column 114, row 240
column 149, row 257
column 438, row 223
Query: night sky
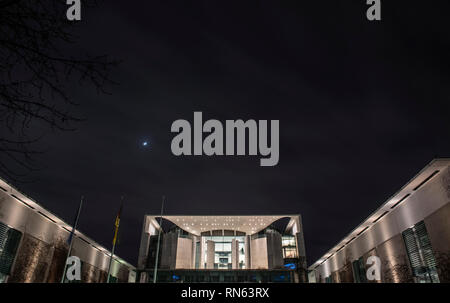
column 363, row 106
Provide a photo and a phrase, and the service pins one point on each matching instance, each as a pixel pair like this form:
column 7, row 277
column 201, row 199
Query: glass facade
column 359, row 271
column 198, row 251
column 420, row 254
column 289, row 247
column 9, row 242
column 223, row 251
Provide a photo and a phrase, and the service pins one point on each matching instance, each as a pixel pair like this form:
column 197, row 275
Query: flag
column 116, row 224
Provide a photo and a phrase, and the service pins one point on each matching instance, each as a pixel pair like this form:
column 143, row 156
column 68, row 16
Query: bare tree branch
column 35, row 69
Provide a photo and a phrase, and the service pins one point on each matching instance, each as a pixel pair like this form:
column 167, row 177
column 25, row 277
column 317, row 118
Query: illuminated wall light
column 400, row 201
column 426, row 180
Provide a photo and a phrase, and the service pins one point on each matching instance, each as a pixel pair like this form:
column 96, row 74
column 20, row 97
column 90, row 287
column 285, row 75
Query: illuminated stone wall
column 43, row 247
column 427, row 198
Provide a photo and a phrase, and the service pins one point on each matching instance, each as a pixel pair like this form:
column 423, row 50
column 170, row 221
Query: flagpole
column 110, row 262
column 74, row 227
column 159, row 237
column 114, row 241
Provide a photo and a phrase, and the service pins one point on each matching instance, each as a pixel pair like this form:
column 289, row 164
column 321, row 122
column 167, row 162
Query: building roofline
column 39, row 209
column 392, row 201
column 251, row 215
column 250, row 224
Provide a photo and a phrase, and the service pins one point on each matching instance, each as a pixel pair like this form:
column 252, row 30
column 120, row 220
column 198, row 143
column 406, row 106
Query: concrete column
column 274, row 252
column 194, row 251
column 248, row 260
column 168, row 256
column 184, row 253
column 301, row 249
column 259, row 257
column 210, row 253
column 234, row 254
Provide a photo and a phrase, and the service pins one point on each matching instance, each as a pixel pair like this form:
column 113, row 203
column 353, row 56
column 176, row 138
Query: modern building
column 33, row 245
column 409, row 233
column 222, row 249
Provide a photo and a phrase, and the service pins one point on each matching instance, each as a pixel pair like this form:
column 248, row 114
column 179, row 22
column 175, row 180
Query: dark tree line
column 36, row 68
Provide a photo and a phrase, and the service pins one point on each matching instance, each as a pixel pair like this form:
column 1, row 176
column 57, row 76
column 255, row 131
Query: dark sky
column 363, row 106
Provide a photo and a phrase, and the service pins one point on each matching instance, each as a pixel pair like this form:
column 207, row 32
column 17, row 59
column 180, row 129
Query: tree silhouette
column 35, row 72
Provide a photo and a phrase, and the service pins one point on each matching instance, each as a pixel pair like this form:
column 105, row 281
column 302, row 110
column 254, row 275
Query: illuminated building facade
column 33, row 245
column 409, row 233
column 222, row 249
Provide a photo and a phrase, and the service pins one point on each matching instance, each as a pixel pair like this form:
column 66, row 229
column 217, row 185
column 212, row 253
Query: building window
column 420, row 254
column 289, row 247
column 197, row 254
column 359, row 271
column 222, row 251
column 9, row 242
column 113, row 279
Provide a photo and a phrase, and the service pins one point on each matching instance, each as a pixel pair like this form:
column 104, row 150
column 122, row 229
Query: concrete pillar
column 194, row 251
column 234, row 254
column 259, row 255
column 274, row 252
column 168, row 254
column 248, row 260
column 210, row 254
column 184, row 254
